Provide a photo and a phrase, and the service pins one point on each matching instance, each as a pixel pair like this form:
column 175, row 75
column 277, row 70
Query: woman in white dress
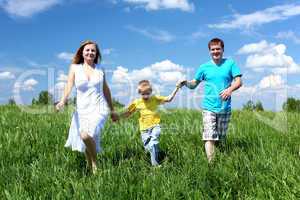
column 93, row 102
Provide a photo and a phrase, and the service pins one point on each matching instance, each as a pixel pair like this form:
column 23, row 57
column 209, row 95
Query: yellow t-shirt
column 148, row 115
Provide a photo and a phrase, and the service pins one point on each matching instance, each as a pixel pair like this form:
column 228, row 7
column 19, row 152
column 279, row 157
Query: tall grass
column 257, row 161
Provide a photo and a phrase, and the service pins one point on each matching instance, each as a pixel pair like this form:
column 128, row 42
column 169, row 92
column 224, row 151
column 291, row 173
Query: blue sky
column 161, row 40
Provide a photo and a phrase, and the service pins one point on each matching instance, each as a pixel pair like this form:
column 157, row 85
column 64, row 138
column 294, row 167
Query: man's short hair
column 216, row 41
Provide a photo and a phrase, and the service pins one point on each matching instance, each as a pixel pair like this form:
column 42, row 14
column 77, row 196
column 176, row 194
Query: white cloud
column 140, row 74
column 155, row 34
column 269, row 56
column 198, row 34
column 272, row 90
column 107, row 51
column 246, row 89
column 6, row 75
column 166, row 65
column 120, row 75
column 171, row 77
column 290, row 35
column 27, row 85
column 27, row 8
column 122, row 94
column 113, row 1
column 58, row 90
column 271, row 81
column 161, row 73
column 62, row 77
column 153, row 5
column 65, row 56
column 261, row 17
column 254, row 47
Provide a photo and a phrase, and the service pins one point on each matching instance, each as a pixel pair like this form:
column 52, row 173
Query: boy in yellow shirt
column 149, row 118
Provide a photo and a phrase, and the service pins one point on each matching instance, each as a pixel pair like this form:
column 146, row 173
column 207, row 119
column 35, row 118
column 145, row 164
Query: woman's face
column 89, row 53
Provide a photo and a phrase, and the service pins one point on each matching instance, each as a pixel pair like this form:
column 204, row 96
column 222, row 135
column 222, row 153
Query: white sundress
column 91, row 108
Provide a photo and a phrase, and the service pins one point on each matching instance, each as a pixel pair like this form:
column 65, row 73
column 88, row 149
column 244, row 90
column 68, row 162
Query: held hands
column 114, row 116
column 225, row 94
column 181, row 83
column 60, row 105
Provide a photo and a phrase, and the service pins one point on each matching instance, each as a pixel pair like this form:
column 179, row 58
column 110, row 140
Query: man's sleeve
column 235, row 70
column 199, row 76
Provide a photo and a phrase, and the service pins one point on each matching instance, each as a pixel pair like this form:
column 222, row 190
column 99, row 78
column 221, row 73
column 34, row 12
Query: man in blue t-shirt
column 221, row 76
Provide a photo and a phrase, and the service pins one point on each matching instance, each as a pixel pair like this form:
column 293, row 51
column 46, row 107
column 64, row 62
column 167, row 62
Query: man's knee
column 210, row 142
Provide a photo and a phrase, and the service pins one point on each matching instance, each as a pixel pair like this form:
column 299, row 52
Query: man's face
column 216, row 51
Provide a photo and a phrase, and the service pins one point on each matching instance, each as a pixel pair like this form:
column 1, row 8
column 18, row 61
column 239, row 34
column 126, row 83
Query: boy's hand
column 59, row 105
column 181, row 83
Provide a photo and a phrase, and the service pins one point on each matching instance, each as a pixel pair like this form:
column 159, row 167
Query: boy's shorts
column 215, row 125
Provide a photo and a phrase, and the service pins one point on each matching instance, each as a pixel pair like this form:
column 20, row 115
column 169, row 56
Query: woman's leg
column 88, row 158
column 91, row 149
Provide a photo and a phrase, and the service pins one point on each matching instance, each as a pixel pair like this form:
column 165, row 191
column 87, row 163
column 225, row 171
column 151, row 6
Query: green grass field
column 257, row 161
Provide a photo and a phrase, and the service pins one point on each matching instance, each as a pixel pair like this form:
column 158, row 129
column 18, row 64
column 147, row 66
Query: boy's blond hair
column 144, row 86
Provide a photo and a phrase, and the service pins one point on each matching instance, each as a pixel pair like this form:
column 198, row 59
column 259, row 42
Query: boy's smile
column 146, row 95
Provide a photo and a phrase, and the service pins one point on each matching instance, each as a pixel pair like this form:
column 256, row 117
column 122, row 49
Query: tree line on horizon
column 46, row 98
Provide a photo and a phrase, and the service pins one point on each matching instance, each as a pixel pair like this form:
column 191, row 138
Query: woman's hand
column 114, row 116
column 60, row 105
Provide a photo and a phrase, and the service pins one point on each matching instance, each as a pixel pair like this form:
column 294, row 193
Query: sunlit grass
column 258, row 162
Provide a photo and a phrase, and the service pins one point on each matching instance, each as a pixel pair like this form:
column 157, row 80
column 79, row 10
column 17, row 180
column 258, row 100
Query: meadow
column 257, row 162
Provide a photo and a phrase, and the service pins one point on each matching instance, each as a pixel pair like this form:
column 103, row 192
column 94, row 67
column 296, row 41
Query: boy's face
column 216, row 51
column 145, row 95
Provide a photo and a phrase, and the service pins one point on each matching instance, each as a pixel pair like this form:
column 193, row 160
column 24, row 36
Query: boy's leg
column 154, row 149
column 154, row 155
column 146, row 137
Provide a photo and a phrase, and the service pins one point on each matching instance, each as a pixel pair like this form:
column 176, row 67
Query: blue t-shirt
column 217, row 78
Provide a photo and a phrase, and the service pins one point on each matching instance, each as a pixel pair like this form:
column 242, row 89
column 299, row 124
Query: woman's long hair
column 78, row 58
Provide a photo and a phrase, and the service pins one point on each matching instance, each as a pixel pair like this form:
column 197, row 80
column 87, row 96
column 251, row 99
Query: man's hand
column 181, row 83
column 225, row 94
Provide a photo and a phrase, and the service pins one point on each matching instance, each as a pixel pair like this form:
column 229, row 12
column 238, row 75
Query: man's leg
column 223, row 120
column 210, row 135
column 210, row 149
